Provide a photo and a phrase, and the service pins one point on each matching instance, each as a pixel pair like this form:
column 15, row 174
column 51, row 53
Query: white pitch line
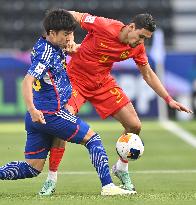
column 179, row 132
column 134, row 172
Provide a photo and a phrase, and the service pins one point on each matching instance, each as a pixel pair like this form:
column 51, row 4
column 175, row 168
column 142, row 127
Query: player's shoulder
column 42, row 49
column 115, row 24
column 139, row 48
column 111, row 23
column 102, row 21
column 42, row 45
column 111, row 27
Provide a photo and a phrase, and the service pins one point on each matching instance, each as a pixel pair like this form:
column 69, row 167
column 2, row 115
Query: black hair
column 59, row 19
column 145, row 21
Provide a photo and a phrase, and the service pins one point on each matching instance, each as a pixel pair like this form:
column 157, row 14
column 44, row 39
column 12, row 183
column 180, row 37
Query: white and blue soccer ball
column 129, row 146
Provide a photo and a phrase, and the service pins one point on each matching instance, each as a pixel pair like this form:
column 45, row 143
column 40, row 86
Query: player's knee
column 37, row 164
column 58, row 143
column 134, row 127
column 71, row 109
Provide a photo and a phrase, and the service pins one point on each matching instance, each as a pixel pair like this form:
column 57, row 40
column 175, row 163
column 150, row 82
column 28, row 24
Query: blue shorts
column 63, row 125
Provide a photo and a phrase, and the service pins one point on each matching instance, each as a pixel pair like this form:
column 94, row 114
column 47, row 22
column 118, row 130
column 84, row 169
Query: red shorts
column 107, row 98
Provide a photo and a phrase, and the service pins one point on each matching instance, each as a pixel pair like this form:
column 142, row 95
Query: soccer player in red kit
column 89, row 70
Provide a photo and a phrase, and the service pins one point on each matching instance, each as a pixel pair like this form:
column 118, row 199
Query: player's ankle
column 108, row 185
column 52, row 175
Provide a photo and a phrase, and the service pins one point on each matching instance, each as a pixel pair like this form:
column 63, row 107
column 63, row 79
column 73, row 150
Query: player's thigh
column 37, row 148
column 128, row 117
column 38, row 164
column 37, row 145
column 75, row 102
column 66, row 126
column 57, row 142
column 110, row 101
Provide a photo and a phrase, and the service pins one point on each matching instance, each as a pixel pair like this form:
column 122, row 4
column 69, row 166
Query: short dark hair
column 145, row 21
column 59, row 19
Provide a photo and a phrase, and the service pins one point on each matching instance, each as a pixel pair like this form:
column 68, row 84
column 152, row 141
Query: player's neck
column 49, row 39
column 123, row 35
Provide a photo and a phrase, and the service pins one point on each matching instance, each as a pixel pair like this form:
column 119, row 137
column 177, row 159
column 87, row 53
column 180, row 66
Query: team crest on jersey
column 33, row 52
column 124, row 54
column 89, row 19
column 40, row 68
column 64, row 63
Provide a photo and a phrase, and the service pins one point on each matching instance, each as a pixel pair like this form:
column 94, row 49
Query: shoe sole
column 121, row 194
column 115, row 175
column 52, row 192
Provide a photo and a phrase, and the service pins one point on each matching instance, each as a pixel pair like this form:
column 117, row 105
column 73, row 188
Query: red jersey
column 101, row 47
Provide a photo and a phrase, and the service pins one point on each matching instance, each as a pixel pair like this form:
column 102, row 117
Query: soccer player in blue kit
column 46, row 89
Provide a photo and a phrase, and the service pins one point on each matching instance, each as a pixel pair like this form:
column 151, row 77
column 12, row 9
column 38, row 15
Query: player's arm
column 153, row 81
column 27, row 84
column 71, row 46
column 90, row 22
column 77, row 15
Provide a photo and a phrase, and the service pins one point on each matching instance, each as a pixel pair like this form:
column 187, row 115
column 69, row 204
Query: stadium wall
column 180, row 76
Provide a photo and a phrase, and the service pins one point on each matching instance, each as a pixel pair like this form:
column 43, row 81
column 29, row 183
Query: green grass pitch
column 166, row 174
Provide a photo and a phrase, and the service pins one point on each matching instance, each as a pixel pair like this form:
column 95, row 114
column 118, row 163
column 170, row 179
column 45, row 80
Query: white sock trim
column 108, row 185
column 122, row 166
column 52, row 176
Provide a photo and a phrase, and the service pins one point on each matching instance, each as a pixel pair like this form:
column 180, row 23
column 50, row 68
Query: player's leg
column 18, row 170
column 130, row 121
column 36, row 150
column 99, row 159
column 56, row 154
column 123, row 111
column 57, row 151
column 73, row 129
column 58, row 147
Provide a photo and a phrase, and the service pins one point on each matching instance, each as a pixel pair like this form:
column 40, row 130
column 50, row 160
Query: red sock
column 124, row 160
column 56, row 154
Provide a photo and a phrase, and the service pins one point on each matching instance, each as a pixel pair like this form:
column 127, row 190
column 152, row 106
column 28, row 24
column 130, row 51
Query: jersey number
column 103, row 58
column 117, row 93
column 37, row 85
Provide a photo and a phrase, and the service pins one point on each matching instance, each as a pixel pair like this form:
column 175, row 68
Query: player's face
column 62, row 38
column 137, row 36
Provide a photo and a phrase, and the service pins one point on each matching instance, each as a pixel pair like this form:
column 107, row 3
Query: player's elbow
column 147, row 78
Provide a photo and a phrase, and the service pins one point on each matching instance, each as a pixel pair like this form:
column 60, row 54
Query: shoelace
column 126, row 178
column 48, row 184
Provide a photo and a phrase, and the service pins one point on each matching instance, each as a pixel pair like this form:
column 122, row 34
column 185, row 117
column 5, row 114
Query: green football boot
column 124, row 178
column 48, row 188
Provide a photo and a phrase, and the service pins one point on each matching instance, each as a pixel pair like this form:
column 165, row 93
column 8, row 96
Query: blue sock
column 17, row 170
column 99, row 159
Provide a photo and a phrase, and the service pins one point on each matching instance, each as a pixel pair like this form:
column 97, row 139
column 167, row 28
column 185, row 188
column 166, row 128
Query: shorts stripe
column 74, row 134
column 67, row 116
column 36, row 152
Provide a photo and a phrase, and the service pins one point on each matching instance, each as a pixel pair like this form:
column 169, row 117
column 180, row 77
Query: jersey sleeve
column 141, row 58
column 96, row 23
column 41, row 63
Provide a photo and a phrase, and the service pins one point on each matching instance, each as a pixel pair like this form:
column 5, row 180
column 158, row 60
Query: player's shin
column 17, row 170
column 122, row 165
column 99, row 159
column 56, row 154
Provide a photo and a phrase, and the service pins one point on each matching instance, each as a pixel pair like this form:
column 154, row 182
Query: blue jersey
column 52, row 88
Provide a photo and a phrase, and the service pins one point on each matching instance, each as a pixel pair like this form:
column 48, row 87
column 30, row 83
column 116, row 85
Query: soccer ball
column 129, row 146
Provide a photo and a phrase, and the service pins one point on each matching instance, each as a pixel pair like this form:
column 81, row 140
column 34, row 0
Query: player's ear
column 131, row 27
column 52, row 33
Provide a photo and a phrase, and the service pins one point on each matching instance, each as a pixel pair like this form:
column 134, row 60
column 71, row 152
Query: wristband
column 168, row 99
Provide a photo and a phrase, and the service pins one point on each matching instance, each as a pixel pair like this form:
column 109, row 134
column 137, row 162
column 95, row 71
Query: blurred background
column 172, row 51
column 167, row 171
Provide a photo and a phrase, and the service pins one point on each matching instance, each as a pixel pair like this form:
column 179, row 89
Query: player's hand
column 178, row 106
column 72, row 47
column 37, row 116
